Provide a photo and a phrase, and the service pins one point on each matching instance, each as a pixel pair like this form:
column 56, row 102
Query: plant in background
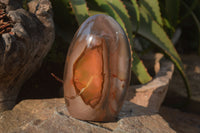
column 184, row 16
column 153, row 20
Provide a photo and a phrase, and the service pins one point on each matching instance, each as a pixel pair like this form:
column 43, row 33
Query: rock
column 51, row 116
column 23, row 49
column 152, row 94
column 180, row 121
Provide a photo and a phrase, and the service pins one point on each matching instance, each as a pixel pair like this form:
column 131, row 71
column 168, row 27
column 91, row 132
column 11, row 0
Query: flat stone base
column 51, row 116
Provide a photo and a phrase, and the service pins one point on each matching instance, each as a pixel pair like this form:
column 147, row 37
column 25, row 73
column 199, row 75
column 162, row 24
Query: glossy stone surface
column 97, row 70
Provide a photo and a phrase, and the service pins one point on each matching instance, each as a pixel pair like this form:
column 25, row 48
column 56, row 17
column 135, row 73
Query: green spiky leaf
column 134, row 13
column 93, row 12
column 80, row 9
column 152, row 31
column 154, row 10
column 172, row 8
column 189, row 10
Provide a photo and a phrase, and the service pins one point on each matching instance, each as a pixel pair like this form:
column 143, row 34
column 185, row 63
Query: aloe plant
column 142, row 17
column 175, row 12
column 194, row 16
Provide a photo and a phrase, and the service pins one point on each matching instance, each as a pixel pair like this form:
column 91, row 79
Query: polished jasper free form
column 97, row 70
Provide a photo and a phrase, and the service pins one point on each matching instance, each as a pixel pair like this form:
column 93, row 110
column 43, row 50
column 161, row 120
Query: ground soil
column 177, row 96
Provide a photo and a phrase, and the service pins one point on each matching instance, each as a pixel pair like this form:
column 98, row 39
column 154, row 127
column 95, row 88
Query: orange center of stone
column 88, row 76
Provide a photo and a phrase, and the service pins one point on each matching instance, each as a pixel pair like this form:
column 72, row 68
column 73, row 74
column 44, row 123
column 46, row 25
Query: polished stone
column 97, row 70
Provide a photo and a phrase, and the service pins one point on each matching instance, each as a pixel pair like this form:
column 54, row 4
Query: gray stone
column 51, row 116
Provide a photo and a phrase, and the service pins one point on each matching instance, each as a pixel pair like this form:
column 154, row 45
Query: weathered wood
column 22, row 52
